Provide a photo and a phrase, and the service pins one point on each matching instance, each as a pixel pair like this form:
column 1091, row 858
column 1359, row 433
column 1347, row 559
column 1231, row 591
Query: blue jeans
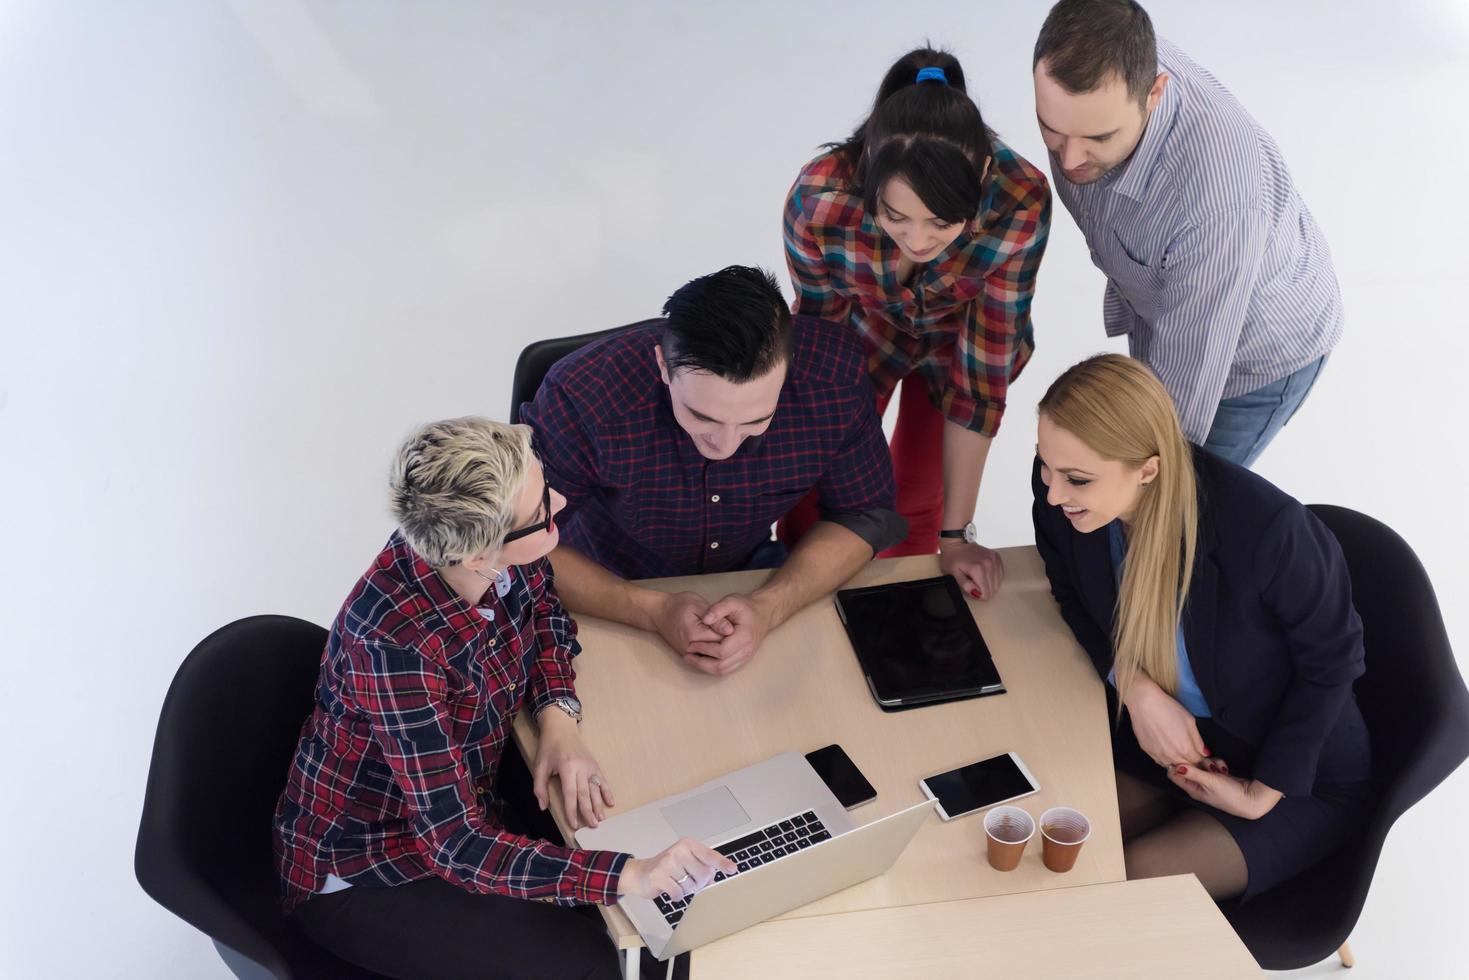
column 1244, row 425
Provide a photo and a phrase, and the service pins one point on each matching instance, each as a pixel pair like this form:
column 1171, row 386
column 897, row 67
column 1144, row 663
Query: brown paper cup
column 1063, row 831
column 1007, row 829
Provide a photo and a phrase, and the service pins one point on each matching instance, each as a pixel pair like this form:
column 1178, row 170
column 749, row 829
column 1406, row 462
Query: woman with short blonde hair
column 400, row 842
column 1220, row 613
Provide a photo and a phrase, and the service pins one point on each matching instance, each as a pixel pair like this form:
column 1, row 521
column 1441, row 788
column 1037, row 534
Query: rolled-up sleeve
column 552, row 675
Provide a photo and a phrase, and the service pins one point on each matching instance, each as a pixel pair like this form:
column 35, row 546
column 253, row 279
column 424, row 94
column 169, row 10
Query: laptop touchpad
column 706, row 815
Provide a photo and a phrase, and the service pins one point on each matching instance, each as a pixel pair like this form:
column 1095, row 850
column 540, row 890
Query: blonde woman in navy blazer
column 1219, row 610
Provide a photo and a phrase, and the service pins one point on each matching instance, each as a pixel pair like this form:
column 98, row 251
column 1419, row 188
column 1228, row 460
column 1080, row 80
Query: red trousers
column 917, row 449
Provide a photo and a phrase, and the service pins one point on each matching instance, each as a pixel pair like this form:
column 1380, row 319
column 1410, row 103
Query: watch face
column 971, row 534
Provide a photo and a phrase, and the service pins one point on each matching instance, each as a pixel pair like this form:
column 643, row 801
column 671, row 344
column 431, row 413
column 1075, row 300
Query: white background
column 245, row 247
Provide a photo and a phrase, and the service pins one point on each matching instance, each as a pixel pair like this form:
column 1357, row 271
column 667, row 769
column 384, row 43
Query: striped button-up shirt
column 963, row 321
column 392, row 779
column 1215, row 269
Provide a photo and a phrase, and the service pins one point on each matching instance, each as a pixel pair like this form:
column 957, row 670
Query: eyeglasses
column 540, row 525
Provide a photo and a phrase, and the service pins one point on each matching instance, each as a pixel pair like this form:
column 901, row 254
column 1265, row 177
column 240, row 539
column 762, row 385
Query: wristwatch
column 967, row 532
column 569, row 705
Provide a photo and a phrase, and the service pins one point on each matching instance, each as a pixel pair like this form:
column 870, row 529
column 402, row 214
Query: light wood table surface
column 1156, row 927
column 658, row 727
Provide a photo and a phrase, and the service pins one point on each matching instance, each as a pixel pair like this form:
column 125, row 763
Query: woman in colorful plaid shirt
column 924, row 232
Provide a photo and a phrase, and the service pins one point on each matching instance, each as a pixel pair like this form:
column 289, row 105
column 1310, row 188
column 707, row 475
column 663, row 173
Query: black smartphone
column 841, row 776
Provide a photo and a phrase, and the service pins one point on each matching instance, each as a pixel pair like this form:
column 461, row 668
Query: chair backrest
column 226, row 734
column 538, row 358
column 1412, row 695
column 1416, row 707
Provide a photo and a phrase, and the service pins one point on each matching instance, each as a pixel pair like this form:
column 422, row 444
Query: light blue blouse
column 1188, row 694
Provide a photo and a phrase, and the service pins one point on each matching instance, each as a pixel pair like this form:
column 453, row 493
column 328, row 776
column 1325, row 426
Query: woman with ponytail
column 923, row 232
column 1219, row 611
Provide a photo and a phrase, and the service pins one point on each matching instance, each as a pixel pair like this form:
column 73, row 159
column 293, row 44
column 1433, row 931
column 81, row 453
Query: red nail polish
column 1206, row 751
column 1182, row 770
column 975, row 593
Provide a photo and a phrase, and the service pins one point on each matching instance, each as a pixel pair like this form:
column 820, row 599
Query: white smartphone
column 978, row 785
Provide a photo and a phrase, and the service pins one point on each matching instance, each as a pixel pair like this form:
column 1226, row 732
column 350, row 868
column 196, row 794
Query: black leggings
column 434, row 930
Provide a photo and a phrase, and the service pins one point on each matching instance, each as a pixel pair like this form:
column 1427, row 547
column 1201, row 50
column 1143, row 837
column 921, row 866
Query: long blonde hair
column 1121, row 410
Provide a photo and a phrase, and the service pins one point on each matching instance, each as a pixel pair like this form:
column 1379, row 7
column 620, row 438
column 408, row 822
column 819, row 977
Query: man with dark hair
column 678, row 445
column 1216, row 271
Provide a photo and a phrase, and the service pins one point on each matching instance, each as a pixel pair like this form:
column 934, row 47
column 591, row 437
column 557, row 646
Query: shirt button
column 714, row 499
column 479, row 791
column 714, row 545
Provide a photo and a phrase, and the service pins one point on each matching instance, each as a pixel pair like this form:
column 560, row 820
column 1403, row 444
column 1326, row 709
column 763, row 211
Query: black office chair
column 1417, row 712
column 225, row 738
column 537, row 359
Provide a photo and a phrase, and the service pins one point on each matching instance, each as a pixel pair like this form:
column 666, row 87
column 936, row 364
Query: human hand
column 1249, row 799
column 678, row 872
column 561, row 753
column 1164, row 728
column 744, row 621
column 679, row 619
column 978, row 570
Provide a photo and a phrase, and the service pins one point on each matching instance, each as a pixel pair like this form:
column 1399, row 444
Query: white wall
column 245, row 246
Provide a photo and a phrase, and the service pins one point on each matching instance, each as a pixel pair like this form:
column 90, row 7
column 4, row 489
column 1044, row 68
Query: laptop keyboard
column 780, row 839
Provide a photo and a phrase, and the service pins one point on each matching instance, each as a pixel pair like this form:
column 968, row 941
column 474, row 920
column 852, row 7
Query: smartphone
column 841, row 776
column 979, row 785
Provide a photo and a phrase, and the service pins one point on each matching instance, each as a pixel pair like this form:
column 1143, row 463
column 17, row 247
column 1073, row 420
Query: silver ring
column 686, row 877
column 594, row 781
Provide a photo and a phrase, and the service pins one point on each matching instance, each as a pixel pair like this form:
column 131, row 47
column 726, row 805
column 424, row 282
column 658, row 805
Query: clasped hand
column 716, row 638
column 1169, row 734
column 1248, row 799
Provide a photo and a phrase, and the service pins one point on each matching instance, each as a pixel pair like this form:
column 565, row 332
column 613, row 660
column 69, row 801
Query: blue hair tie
column 931, row 75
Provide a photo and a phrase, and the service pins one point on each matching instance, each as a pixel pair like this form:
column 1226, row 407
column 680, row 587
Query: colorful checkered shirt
column 964, row 322
column 643, row 502
column 391, row 779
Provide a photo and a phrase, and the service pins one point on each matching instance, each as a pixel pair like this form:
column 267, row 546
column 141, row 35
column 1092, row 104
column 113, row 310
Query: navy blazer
column 1271, row 633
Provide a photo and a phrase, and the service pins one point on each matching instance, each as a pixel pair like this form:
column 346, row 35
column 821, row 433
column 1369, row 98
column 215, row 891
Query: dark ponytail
column 928, row 133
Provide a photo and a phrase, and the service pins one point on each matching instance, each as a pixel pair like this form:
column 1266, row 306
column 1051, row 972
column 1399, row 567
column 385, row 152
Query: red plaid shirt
column 963, row 322
column 392, row 777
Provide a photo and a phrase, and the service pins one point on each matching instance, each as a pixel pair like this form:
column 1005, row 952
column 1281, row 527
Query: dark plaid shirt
column 418, row 689
column 644, row 503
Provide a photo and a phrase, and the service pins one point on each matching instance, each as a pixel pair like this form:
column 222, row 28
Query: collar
column 462, row 618
column 1131, row 178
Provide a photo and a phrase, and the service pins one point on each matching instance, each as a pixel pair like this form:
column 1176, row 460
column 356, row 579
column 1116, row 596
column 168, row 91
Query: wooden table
column 658, row 727
column 1156, row 927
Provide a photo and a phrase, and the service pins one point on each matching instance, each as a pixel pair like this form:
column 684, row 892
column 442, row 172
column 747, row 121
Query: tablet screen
column 917, row 641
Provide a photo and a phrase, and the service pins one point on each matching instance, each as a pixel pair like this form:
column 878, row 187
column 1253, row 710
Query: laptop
column 792, row 842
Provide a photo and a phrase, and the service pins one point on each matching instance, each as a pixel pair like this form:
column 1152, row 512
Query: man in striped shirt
column 1216, row 271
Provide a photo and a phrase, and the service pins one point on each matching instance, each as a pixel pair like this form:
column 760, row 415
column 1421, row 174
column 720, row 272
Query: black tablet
column 917, row 643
